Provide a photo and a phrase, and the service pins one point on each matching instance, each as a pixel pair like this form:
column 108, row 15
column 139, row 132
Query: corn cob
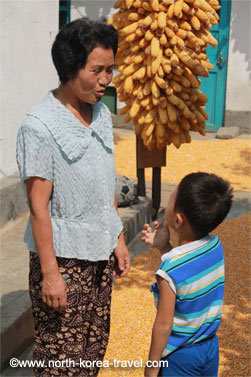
column 161, row 53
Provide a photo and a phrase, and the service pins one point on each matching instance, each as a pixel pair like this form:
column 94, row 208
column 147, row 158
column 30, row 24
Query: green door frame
column 110, row 99
column 215, row 85
column 64, row 12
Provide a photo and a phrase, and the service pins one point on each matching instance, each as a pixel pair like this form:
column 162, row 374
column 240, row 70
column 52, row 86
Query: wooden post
column 156, row 191
column 141, row 182
column 150, row 159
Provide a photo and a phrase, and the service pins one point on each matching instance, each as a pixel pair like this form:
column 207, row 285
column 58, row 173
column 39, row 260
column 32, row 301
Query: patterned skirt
column 69, row 343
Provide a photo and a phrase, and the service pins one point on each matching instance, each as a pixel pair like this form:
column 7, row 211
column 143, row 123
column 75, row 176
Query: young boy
column 190, row 279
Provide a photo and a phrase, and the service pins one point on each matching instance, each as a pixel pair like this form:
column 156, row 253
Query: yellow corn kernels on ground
column 161, row 54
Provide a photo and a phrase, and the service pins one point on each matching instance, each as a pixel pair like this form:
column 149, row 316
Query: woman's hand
column 122, row 261
column 158, row 238
column 54, row 290
column 122, row 258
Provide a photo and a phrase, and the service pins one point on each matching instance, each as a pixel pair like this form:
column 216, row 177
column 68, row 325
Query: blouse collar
column 68, row 132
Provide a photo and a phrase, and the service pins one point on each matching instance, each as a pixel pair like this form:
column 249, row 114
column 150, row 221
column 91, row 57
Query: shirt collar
column 191, row 246
column 69, row 133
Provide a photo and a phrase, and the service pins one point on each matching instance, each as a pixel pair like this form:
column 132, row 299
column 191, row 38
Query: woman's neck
column 81, row 110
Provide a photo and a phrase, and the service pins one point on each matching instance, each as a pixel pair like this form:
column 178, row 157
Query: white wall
column 28, row 28
column 239, row 62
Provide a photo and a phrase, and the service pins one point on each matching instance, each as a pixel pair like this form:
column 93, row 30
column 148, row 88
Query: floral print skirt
column 70, row 343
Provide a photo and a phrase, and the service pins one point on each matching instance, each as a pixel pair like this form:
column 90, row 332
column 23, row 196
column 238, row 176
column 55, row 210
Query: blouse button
column 107, row 232
column 105, row 207
column 99, row 157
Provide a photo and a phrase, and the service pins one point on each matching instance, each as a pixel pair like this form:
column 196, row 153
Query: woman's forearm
column 43, row 236
column 54, row 289
column 121, row 238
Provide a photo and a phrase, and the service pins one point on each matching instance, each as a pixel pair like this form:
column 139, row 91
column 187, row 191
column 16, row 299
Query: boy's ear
column 179, row 220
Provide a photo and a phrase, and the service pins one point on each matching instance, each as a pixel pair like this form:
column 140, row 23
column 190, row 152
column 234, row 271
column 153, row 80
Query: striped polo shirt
column 195, row 272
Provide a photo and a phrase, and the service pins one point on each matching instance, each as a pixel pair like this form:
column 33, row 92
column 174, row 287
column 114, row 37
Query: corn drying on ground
column 227, row 158
column 133, row 310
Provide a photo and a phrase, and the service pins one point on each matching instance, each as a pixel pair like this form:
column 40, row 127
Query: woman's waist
column 107, row 214
column 80, row 236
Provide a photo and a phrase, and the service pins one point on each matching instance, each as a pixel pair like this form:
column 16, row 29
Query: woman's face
column 91, row 81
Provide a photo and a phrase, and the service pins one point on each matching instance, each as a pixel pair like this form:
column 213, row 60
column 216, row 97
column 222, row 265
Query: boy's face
column 170, row 214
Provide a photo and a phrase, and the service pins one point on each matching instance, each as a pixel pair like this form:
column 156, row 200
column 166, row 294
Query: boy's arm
column 158, row 238
column 162, row 326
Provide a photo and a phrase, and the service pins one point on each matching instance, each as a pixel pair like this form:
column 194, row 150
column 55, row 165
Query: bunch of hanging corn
column 162, row 51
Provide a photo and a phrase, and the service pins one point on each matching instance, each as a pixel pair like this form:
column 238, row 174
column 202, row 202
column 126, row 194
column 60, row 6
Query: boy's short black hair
column 76, row 40
column 205, row 199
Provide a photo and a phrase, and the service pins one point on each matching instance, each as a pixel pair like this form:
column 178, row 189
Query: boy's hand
column 158, row 238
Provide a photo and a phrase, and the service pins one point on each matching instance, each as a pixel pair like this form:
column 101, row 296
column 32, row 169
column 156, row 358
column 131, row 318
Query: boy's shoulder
column 181, row 255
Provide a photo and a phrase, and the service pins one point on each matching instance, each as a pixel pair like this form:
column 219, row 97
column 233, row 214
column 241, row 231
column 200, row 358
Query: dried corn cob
column 162, row 51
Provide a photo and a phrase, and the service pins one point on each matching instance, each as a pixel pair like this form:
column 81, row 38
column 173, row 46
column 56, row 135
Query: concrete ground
column 16, row 322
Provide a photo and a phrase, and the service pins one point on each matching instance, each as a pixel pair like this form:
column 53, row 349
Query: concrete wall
column 239, row 61
column 28, row 29
column 94, row 9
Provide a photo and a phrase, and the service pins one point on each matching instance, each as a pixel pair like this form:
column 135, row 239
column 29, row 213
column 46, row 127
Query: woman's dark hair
column 76, row 40
column 205, row 199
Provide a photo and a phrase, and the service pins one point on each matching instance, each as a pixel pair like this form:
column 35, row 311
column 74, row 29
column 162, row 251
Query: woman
column 66, row 161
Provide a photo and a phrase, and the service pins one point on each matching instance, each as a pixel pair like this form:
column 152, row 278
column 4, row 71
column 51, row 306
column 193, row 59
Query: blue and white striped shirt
column 195, row 272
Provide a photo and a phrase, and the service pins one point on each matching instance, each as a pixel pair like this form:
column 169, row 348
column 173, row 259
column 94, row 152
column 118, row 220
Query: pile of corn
column 133, row 311
column 162, row 51
column 227, row 158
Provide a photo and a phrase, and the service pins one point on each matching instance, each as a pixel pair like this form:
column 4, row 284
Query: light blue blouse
column 53, row 144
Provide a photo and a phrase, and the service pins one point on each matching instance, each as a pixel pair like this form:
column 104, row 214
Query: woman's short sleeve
column 33, row 153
